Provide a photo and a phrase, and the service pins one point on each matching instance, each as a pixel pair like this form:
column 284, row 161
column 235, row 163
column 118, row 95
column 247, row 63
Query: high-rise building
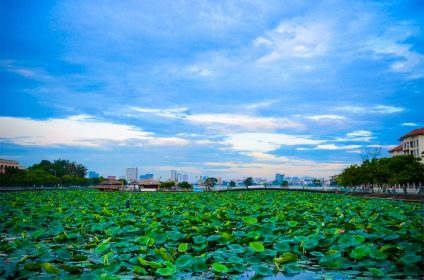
column 185, row 178
column 174, row 175
column 179, row 177
column 146, row 176
column 93, row 174
column 131, row 174
column 279, row 178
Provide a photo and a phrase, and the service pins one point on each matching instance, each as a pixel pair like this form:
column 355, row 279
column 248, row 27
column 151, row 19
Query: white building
column 131, row 174
column 411, row 143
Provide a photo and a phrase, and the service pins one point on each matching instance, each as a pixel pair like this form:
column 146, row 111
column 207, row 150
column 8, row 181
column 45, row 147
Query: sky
column 211, row 88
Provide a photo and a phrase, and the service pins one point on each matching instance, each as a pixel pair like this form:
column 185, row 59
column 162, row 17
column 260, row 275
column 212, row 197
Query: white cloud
column 261, row 104
column 30, row 73
column 386, row 109
column 201, row 71
column 295, row 38
column 357, row 135
column 325, row 117
column 335, row 147
column 168, row 112
column 244, row 122
column 265, row 142
column 79, row 130
column 378, row 109
column 409, row 124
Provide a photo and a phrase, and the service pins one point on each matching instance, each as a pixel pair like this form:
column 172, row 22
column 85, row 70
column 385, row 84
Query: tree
column 284, row 184
column 232, row 184
column 316, row 182
column 210, row 183
column 248, row 182
column 167, row 184
column 185, row 185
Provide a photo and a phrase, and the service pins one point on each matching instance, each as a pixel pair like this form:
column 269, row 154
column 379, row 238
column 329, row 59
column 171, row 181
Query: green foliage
column 232, row 184
column 185, row 185
column 394, row 170
column 167, row 184
column 210, row 183
column 248, row 182
column 71, row 233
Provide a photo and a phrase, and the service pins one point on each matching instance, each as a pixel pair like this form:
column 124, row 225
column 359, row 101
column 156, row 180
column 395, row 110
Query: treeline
column 48, row 174
column 398, row 170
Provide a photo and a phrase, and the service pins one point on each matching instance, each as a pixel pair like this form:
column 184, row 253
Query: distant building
column 146, row 176
column 174, row 175
column 93, row 174
column 185, row 178
column 109, row 185
column 7, row 163
column 219, row 180
column 279, row 178
column 131, row 174
column 411, row 143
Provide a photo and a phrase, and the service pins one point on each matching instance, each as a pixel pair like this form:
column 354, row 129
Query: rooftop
column 418, row 131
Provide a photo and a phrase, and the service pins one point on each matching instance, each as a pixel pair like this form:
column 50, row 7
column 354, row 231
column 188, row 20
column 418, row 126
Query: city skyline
column 230, row 89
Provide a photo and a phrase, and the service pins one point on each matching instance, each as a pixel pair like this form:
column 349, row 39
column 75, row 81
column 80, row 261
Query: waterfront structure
column 109, row 185
column 411, row 143
column 131, row 174
column 148, row 184
column 7, row 163
column 93, row 174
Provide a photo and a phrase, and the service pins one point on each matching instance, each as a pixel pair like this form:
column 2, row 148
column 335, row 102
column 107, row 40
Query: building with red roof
column 411, row 143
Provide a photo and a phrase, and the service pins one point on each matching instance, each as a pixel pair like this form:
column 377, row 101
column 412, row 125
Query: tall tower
column 131, row 174
column 174, row 175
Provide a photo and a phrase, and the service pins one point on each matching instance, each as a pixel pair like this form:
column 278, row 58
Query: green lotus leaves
column 360, row 252
column 257, row 246
column 287, row 257
column 262, row 270
column 292, row 223
column 376, row 272
column 184, row 261
column 182, row 247
column 50, row 268
column 220, row 268
column 91, row 235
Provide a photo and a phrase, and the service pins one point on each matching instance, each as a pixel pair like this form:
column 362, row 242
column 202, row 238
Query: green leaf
column 376, row 272
column 360, row 252
column 184, row 261
column 291, row 268
column 262, row 270
column 140, row 270
column 102, row 248
column 182, row 247
column 50, row 268
column 286, row 258
column 257, row 246
column 236, row 248
column 377, row 254
column 292, row 223
column 410, row 259
column 220, row 268
column 165, row 271
column 199, row 239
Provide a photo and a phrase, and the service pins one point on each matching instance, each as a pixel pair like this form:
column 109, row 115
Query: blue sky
column 214, row 88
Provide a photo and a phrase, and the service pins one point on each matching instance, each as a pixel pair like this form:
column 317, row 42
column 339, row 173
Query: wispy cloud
column 265, row 142
column 79, row 130
column 325, row 117
column 378, row 109
column 356, row 136
column 409, row 124
column 294, row 38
